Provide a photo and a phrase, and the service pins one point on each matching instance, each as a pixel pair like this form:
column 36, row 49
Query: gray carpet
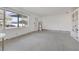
column 43, row 41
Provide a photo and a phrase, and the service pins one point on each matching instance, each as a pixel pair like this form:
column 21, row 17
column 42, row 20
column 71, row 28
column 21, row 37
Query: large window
column 12, row 20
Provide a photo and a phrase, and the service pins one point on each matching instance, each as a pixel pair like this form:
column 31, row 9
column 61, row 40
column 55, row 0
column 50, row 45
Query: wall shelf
column 75, row 24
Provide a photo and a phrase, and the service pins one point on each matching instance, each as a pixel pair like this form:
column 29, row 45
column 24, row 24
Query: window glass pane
column 23, row 21
column 1, row 18
column 20, row 22
column 11, row 19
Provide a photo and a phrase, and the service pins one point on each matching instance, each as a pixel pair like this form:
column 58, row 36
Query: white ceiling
column 47, row 11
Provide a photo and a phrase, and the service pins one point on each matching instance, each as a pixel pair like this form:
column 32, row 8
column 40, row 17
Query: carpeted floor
column 43, row 41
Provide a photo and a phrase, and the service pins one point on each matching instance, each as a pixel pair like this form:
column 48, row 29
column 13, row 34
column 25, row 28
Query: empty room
column 39, row 29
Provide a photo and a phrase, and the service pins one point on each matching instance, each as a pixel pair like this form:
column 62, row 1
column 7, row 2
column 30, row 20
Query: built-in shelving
column 75, row 24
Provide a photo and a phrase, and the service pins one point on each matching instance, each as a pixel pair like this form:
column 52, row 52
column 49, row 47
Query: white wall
column 10, row 33
column 57, row 22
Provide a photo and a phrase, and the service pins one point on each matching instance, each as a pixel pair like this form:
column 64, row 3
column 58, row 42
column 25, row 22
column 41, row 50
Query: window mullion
column 18, row 21
column 4, row 20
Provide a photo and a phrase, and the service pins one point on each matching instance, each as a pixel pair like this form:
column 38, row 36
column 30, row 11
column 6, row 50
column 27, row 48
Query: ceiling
column 44, row 11
column 47, row 11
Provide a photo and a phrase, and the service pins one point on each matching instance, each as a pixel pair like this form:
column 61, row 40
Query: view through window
column 23, row 21
column 12, row 20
